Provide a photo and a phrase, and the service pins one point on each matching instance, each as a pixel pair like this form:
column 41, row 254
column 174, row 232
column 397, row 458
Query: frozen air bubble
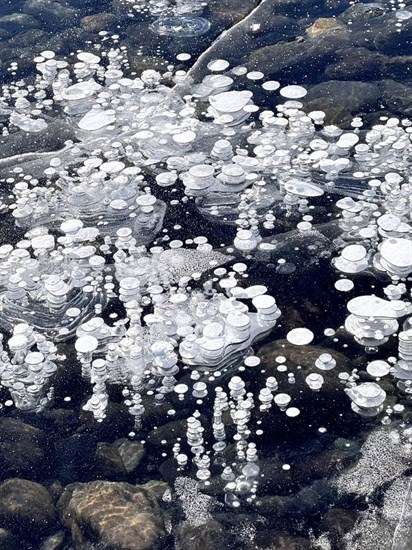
column 293, row 92
column 300, row 336
column 179, row 27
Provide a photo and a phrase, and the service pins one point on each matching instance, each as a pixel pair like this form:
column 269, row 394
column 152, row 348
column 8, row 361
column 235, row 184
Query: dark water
column 354, row 59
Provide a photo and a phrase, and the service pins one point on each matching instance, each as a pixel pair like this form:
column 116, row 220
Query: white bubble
column 271, row 85
column 378, row 368
column 183, row 56
column 300, row 336
column 218, row 65
column 293, row 92
column 292, row 412
column 255, row 75
column 344, row 285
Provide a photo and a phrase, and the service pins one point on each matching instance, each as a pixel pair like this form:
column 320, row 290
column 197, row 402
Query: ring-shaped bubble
column 182, row 26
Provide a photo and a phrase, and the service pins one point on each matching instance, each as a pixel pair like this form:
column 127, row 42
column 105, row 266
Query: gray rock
column 68, row 40
column 138, row 36
column 208, row 536
column 337, row 522
column 300, row 61
column 327, row 26
column 23, row 449
column 90, row 5
column 357, row 64
column 54, row 541
column 316, row 466
column 119, row 516
column 390, row 39
column 281, row 541
column 109, row 463
column 361, row 12
column 351, row 95
column 16, row 22
column 398, row 67
column 57, row 14
column 131, row 453
column 22, row 56
column 26, row 508
column 397, row 97
column 28, row 39
column 168, row 432
column 8, row 541
column 230, row 12
column 303, row 356
column 237, row 42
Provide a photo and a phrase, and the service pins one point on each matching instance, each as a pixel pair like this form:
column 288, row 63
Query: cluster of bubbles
column 91, row 216
column 176, row 18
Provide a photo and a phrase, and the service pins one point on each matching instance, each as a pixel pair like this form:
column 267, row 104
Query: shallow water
column 83, row 477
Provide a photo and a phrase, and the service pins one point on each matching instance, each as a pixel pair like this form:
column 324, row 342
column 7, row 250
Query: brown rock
column 98, row 22
column 119, row 516
column 325, row 26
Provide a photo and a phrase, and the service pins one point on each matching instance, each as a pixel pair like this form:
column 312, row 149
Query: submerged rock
column 389, row 37
column 119, row 516
column 23, row 449
column 230, row 12
column 56, row 13
column 326, row 26
column 354, row 96
column 361, row 12
column 298, row 61
column 26, row 508
column 281, row 541
column 29, row 38
column 16, row 22
column 98, row 22
column 8, row 541
column 131, row 453
column 357, row 64
column 208, row 536
column 337, row 522
column 397, row 97
column 398, row 67
column 109, row 463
